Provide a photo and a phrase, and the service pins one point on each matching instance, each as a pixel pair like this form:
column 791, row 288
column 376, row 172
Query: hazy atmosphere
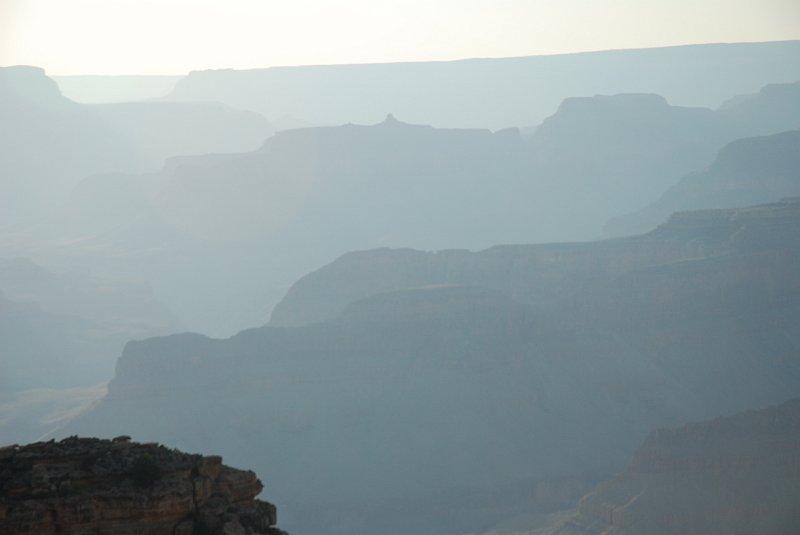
column 176, row 36
column 389, row 267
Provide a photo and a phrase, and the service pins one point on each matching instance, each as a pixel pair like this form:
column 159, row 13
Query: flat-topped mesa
column 29, row 85
column 90, row 485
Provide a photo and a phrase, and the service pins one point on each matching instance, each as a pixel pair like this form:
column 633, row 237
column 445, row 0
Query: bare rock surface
column 88, row 485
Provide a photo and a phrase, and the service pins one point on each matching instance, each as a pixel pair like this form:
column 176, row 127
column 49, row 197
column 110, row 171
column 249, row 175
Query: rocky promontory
column 90, row 485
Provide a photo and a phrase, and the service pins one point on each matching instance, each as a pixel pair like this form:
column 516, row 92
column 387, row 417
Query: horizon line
column 406, row 62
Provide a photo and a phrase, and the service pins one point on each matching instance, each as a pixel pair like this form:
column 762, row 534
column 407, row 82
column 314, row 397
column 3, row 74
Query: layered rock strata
column 87, row 485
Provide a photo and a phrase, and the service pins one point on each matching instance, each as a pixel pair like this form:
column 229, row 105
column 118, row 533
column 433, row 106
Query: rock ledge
column 119, row 487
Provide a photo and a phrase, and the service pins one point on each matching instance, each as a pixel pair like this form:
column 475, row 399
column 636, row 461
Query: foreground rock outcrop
column 89, row 485
column 739, row 474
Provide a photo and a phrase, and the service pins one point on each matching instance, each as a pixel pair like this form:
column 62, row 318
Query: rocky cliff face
column 53, row 144
column 739, row 474
column 545, row 275
column 746, row 172
column 85, row 485
column 436, row 386
column 766, row 111
column 62, row 329
column 220, row 238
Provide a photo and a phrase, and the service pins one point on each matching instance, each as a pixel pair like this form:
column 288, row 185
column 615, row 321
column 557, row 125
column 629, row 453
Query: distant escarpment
column 770, row 110
column 746, row 172
column 63, row 329
column 511, row 91
column 413, row 377
column 308, row 195
column 547, row 275
column 87, row 485
column 739, row 474
column 56, row 142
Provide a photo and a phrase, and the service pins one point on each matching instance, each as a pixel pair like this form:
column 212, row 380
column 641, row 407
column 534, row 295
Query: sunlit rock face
column 85, row 485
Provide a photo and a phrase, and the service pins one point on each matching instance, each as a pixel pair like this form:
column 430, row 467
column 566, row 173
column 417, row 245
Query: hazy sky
column 175, row 36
